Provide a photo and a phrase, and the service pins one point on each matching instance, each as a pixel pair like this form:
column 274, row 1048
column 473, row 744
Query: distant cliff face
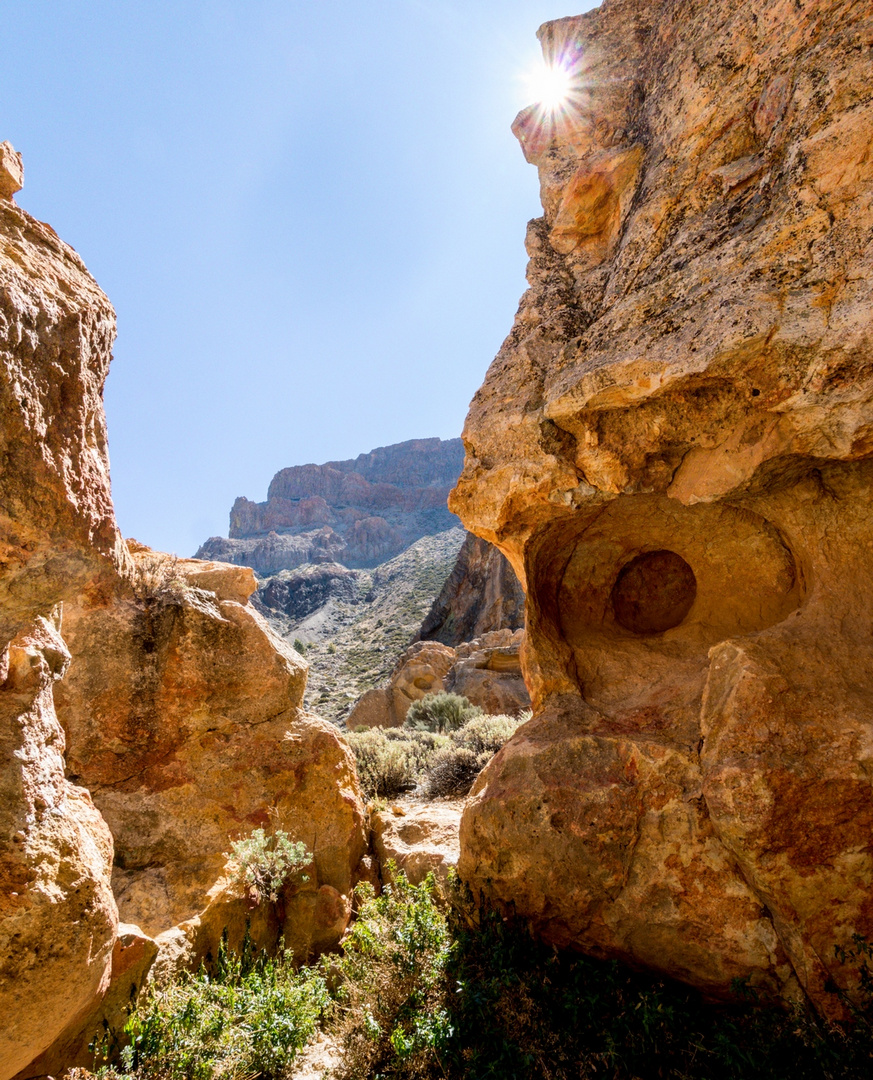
column 358, row 512
column 481, row 594
column 674, row 449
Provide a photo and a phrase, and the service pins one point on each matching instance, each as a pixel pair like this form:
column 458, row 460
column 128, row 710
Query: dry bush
column 452, row 771
column 391, row 761
column 158, row 579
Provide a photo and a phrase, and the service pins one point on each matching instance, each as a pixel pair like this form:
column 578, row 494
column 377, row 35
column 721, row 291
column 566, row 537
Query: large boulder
column 184, row 720
column 673, row 449
column 58, row 540
column 487, row 671
column 58, row 918
column 182, row 716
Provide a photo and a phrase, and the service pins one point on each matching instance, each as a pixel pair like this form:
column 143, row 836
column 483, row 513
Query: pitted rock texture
column 486, row 671
column 184, row 720
column 58, row 918
column 688, row 383
column 182, row 714
column 418, row 838
column 359, row 512
column 481, row 594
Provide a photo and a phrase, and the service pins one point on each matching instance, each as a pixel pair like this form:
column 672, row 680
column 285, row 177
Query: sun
column 548, row 85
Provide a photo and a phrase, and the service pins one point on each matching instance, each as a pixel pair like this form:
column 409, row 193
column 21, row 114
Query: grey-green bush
column 391, row 760
column 440, row 712
column 452, row 770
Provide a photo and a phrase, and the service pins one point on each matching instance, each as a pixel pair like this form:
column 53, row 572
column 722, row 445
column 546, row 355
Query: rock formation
column 673, row 449
column 486, row 671
column 418, row 837
column 180, row 715
column 481, row 594
column 359, row 512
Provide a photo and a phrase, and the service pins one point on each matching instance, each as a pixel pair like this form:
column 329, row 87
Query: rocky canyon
column 673, row 450
column 134, row 747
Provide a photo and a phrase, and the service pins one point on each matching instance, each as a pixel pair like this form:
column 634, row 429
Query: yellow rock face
column 182, row 715
column 673, row 450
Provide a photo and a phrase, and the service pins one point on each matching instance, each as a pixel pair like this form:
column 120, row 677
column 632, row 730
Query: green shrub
column 393, row 989
column 260, row 863
column 300, row 646
column 247, row 1018
column 452, row 771
column 440, row 712
column 391, row 760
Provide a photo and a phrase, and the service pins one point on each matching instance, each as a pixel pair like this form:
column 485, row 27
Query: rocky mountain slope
column 359, row 513
column 674, row 449
column 353, row 624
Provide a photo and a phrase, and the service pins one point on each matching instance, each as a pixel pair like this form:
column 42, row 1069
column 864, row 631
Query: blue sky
column 309, row 216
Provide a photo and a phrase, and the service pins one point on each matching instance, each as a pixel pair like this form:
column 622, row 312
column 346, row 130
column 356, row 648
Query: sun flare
column 548, row 85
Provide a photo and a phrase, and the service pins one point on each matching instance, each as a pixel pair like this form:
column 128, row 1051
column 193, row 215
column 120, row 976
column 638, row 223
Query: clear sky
column 309, row 216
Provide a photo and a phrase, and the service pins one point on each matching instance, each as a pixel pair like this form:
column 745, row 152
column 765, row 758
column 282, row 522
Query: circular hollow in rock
column 653, row 592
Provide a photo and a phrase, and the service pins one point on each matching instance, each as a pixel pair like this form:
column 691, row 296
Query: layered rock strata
column 359, row 512
column 177, row 727
column 673, row 449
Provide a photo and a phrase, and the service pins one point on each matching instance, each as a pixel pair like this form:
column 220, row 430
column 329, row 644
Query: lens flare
column 549, row 85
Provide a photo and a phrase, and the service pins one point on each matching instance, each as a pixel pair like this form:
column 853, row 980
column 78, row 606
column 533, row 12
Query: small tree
column 441, row 712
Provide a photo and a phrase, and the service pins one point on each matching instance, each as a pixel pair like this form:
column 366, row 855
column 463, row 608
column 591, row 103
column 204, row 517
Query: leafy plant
column 247, row 1018
column 262, row 862
column 440, row 712
column 393, row 989
column 300, row 646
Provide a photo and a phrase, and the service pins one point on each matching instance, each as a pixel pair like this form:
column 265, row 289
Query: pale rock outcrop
column 673, row 449
column 57, row 915
column 58, row 541
column 419, row 838
column 184, row 721
column 182, row 714
column 486, row 671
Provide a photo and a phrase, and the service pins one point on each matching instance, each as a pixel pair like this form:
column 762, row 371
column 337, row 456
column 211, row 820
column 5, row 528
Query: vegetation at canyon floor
column 426, row 988
column 393, row 760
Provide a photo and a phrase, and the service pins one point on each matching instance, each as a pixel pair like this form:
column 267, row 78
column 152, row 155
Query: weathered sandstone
column 57, row 915
column 184, row 720
column 181, row 714
column 673, row 449
column 419, row 838
column 486, row 671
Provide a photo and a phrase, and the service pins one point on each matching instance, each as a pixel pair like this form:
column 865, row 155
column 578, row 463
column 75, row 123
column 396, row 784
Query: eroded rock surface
column 182, row 715
column 673, row 450
column 481, row 594
column 486, row 671
column 418, row 838
column 184, row 721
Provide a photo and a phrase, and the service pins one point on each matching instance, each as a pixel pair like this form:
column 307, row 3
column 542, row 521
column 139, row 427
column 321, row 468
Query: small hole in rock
column 755, row 393
column 653, row 592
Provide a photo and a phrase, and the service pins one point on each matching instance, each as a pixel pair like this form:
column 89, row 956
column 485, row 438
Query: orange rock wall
column 687, row 390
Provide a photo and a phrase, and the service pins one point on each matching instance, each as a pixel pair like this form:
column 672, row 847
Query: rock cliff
column 360, row 512
column 481, row 594
column 673, row 449
column 178, row 725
